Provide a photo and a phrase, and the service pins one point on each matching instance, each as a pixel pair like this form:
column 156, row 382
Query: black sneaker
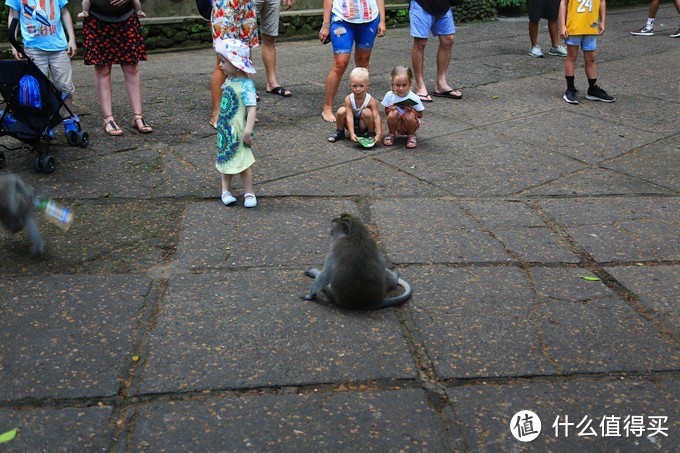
column 644, row 31
column 571, row 96
column 595, row 93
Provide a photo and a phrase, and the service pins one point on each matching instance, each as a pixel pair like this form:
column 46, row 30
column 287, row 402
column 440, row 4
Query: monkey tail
column 397, row 300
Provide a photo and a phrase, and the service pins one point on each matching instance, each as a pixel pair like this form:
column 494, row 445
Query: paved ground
column 165, row 321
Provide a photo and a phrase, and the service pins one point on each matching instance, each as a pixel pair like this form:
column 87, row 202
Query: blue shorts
column 345, row 34
column 587, row 42
column 422, row 22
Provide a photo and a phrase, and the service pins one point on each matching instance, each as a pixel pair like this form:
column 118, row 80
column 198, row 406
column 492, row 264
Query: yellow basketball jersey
column 583, row 17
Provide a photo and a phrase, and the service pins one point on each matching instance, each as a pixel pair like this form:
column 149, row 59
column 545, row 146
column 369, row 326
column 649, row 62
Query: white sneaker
column 228, row 198
column 536, row 51
column 249, row 200
column 559, row 51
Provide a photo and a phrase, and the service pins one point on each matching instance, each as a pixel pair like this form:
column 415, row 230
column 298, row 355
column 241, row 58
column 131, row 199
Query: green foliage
column 510, row 3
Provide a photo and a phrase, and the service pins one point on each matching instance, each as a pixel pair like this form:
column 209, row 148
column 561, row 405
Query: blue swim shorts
column 422, row 23
column 587, row 42
column 344, row 35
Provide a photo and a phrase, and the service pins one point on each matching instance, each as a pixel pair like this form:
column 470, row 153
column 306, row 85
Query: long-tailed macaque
column 16, row 209
column 354, row 275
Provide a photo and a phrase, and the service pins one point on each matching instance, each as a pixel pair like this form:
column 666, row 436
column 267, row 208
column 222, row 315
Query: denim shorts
column 422, row 23
column 345, row 34
column 587, row 42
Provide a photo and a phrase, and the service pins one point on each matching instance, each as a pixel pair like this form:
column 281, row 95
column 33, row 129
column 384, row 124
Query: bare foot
column 327, row 115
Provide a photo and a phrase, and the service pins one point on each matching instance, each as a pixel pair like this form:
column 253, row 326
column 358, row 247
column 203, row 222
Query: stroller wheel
column 72, row 137
column 49, row 164
column 38, row 164
column 83, row 139
column 2, row 160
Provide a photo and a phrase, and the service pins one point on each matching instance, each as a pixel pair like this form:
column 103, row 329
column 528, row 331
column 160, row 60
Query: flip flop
column 425, row 97
column 280, row 91
column 111, row 128
column 451, row 94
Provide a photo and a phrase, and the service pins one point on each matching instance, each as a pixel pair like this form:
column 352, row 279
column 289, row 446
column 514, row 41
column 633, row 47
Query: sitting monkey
column 16, row 209
column 354, row 275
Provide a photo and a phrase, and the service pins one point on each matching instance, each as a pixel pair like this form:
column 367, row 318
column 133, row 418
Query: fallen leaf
column 590, row 278
column 9, row 435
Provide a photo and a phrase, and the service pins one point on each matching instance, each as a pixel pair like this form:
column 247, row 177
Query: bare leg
column 418, row 61
column 443, row 59
column 654, row 7
column 216, row 82
column 133, row 86
column 533, row 32
column 269, row 60
column 226, row 182
column 589, row 59
column 570, row 61
column 554, row 36
column 102, row 82
column 340, row 62
column 247, row 180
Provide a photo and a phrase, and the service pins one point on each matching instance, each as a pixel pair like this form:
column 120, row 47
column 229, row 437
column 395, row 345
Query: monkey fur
column 354, row 274
column 16, row 209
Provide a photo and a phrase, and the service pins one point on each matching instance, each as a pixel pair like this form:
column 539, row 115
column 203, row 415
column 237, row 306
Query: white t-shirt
column 392, row 98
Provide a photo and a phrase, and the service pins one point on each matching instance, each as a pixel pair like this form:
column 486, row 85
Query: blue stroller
column 30, row 105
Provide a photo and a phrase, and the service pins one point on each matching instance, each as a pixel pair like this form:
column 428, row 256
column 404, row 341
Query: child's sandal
column 336, row 136
column 411, row 142
column 388, row 140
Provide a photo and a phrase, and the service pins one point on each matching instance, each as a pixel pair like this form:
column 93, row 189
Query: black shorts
column 543, row 9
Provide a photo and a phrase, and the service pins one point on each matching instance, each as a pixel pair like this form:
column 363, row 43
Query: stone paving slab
column 106, row 236
column 395, row 420
column 448, row 235
column 521, row 231
column 619, row 229
column 487, row 412
column 49, row 429
column 590, row 140
column 656, row 163
column 475, row 330
column 68, row 337
column 462, row 170
column 587, row 329
column 361, row 177
column 298, row 235
column 598, row 182
column 244, row 329
column 658, row 290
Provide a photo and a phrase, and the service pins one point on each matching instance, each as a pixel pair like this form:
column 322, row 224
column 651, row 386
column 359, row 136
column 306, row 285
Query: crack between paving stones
column 589, row 263
column 525, row 267
column 121, row 422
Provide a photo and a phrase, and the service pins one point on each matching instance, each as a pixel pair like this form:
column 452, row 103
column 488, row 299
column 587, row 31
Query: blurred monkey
column 16, row 209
